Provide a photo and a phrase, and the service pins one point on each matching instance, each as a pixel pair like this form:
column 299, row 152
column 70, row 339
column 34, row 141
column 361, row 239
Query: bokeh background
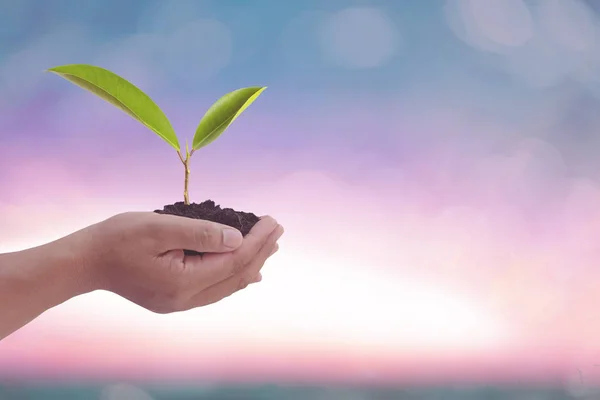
column 435, row 164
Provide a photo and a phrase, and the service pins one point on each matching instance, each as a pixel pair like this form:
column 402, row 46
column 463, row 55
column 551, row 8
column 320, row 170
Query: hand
column 139, row 256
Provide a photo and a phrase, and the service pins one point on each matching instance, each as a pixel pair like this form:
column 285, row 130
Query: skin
column 139, row 256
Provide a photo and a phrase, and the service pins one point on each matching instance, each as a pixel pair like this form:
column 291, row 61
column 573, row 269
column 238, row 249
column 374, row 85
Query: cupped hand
column 139, row 256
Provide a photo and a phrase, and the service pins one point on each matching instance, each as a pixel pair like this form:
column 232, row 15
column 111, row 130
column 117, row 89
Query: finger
column 275, row 249
column 174, row 232
column 213, row 268
column 240, row 280
column 259, row 276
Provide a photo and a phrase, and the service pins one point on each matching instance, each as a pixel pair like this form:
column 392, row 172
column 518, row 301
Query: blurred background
column 435, row 165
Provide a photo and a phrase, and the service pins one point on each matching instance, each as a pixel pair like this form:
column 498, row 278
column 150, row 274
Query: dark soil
column 210, row 211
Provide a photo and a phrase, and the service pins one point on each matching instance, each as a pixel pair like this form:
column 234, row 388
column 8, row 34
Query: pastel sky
column 435, row 165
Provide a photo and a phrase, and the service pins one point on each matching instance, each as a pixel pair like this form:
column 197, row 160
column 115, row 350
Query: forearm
column 35, row 280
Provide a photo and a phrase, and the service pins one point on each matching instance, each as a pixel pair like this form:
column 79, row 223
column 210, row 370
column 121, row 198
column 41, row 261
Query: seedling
column 129, row 98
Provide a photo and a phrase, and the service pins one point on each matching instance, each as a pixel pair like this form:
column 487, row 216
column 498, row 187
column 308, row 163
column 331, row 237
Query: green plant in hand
column 123, row 94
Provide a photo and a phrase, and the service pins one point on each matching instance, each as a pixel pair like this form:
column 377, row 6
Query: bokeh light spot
column 359, row 38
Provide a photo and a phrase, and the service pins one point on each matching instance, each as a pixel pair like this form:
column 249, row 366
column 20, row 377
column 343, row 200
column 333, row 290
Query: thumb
column 184, row 233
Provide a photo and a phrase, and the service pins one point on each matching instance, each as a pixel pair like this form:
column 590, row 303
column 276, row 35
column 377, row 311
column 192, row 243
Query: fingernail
column 232, row 238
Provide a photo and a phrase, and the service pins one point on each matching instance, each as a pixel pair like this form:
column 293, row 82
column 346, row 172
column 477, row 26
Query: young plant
column 123, row 94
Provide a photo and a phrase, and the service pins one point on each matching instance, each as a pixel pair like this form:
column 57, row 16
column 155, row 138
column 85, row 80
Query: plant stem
column 186, row 165
column 186, row 196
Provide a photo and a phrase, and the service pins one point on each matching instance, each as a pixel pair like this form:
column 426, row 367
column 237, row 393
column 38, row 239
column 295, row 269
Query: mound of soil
column 209, row 211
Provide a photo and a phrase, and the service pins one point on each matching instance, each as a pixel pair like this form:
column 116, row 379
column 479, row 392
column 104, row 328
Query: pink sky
column 442, row 210
column 487, row 260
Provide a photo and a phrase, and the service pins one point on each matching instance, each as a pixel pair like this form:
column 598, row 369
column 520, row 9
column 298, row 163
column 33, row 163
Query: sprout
column 123, row 94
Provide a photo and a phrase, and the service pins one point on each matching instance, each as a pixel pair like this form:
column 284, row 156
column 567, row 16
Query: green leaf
column 121, row 93
column 221, row 114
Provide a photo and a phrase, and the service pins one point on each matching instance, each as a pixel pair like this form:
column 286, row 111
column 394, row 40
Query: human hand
column 139, row 256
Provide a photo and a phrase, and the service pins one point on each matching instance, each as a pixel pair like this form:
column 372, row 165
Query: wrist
column 35, row 280
column 71, row 262
column 56, row 271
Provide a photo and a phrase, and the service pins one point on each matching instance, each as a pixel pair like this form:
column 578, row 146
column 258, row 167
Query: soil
column 209, row 211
